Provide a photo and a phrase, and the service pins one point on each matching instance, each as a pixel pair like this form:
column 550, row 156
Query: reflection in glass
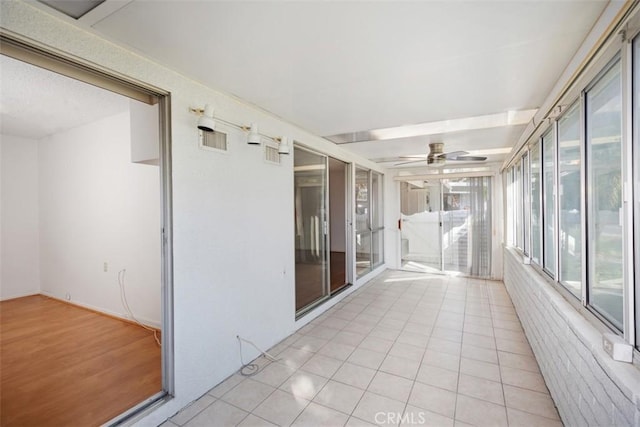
column 570, row 200
column 310, row 171
column 420, row 216
column 604, row 143
column 517, row 182
column 636, row 176
column 338, row 172
column 536, row 210
column 377, row 219
column 525, row 203
column 363, row 226
column 466, row 226
column 548, row 157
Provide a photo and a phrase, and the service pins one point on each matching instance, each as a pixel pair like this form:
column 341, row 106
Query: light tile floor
column 405, row 349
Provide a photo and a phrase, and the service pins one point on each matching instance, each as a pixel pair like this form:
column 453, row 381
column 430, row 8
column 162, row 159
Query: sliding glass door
column 321, row 227
column 446, row 226
column 420, row 224
column 310, row 175
column 466, row 226
column 369, row 221
column 338, row 231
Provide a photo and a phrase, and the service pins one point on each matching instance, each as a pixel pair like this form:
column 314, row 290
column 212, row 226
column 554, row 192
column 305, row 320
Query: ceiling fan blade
column 452, row 155
column 469, row 158
column 408, row 163
column 397, row 159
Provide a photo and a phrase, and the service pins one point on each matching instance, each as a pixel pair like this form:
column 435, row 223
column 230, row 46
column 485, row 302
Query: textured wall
column 588, row 387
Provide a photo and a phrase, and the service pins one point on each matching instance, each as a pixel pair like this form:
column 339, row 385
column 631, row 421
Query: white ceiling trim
column 486, row 121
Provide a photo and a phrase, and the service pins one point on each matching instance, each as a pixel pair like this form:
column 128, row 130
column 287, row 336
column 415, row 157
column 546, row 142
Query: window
column 517, row 199
column 526, row 218
column 566, row 194
column 377, row 219
column 509, row 215
column 636, row 171
column 604, row 180
column 570, row 200
column 536, row 210
column 369, row 221
column 548, row 218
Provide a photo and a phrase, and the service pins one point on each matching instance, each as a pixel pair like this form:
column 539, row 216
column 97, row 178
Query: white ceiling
column 36, row 103
column 338, row 67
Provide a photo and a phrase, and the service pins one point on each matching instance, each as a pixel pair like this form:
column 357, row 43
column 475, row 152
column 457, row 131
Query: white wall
column 98, row 207
column 233, row 247
column 19, row 271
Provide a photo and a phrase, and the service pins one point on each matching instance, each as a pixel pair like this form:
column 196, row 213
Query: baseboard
column 28, row 294
column 146, row 322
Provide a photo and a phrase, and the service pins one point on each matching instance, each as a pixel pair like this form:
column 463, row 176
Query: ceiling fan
column 437, row 157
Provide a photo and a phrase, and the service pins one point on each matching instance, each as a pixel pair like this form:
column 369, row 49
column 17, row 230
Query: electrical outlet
column 617, row 348
column 105, row 266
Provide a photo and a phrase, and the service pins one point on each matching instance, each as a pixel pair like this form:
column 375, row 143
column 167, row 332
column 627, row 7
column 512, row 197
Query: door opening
column 138, row 152
column 446, row 226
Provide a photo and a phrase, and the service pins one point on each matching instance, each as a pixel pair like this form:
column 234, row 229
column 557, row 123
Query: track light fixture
column 207, row 123
column 283, row 147
column 253, row 138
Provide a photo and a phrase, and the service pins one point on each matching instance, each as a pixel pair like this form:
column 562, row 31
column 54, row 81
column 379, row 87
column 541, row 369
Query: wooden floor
column 62, row 365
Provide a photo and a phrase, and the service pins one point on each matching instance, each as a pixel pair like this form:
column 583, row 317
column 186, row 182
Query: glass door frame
column 349, row 231
column 440, row 179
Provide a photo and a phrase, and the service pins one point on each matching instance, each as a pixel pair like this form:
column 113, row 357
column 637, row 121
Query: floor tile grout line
column 423, row 356
column 345, row 361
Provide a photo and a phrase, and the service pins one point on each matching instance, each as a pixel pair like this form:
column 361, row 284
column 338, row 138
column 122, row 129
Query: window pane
column 376, row 200
column 536, row 211
column 310, row 216
column 517, row 198
column 548, row 153
column 377, row 247
column 510, row 215
column 570, row 200
column 377, row 219
column 604, row 143
column 525, row 203
column 636, row 143
column 363, row 233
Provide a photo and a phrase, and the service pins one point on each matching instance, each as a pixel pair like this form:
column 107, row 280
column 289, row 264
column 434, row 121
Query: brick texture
column 584, row 392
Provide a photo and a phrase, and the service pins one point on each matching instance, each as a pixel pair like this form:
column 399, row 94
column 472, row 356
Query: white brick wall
column 588, row 387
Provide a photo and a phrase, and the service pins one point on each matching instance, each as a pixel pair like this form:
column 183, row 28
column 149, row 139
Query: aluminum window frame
column 604, row 317
column 579, row 106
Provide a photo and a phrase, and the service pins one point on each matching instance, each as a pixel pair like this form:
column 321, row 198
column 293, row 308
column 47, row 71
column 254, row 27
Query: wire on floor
column 250, row 369
column 125, row 304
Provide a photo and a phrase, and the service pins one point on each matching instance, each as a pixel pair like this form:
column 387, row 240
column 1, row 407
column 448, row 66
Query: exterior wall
column 588, row 387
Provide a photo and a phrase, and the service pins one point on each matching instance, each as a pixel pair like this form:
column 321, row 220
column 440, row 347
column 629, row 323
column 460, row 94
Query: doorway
column 101, row 198
column 446, row 226
column 321, row 227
